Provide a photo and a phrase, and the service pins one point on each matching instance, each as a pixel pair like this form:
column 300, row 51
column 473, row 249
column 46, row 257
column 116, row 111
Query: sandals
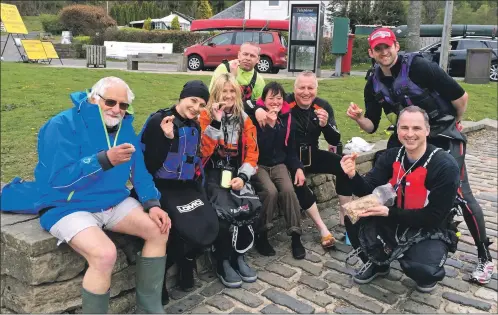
column 328, row 241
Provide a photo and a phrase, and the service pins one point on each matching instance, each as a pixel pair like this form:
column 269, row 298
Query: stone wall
column 39, row 277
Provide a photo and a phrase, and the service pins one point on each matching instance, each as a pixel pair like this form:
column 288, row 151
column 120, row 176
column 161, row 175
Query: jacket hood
column 285, row 106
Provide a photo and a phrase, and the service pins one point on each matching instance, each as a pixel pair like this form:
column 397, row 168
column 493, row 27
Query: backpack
column 245, row 89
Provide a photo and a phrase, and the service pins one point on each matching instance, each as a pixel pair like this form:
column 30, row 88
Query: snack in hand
column 356, row 207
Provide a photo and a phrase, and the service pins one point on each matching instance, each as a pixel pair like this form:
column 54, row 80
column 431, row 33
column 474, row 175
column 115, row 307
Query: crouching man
column 418, row 229
column 86, row 155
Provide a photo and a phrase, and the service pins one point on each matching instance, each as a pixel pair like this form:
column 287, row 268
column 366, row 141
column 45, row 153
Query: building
column 267, row 10
column 165, row 22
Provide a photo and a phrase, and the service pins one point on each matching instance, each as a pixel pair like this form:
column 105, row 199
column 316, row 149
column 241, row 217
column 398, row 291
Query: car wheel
column 264, row 65
column 493, row 72
column 195, row 62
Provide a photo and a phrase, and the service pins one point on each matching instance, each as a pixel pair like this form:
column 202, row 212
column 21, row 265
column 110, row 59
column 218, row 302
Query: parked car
column 212, row 51
column 458, row 54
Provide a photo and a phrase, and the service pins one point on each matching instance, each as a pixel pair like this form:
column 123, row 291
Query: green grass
column 31, row 94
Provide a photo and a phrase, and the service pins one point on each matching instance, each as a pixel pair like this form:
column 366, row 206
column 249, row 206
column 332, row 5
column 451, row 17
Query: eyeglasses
column 111, row 103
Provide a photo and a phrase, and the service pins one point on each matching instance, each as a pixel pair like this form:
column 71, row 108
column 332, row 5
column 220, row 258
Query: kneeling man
column 418, row 229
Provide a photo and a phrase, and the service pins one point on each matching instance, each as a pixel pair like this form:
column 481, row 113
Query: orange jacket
column 213, row 136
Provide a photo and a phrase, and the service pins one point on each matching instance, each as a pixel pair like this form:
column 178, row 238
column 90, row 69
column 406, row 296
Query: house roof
column 186, row 17
column 236, row 11
column 166, row 19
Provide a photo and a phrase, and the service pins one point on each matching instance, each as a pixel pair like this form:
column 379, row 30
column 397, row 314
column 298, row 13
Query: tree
column 430, row 10
column 390, row 13
column 205, row 10
column 147, row 24
column 175, row 24
column 413, row 23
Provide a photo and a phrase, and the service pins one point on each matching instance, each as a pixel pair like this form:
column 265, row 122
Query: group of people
column 213, row 170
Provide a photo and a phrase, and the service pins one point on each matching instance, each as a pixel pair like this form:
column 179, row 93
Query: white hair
column 306, row 73
column 103, row 84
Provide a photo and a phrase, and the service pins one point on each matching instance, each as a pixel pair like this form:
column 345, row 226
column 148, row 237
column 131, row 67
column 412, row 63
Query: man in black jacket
column 426, row 180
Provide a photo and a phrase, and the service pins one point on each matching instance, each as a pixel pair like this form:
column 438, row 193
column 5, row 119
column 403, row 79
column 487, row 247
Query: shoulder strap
column 430, row 157
column 399, row 154
column 227, row 64
column 253, row 79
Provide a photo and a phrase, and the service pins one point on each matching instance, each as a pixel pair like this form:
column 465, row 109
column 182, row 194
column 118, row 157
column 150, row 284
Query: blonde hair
column 217, row 89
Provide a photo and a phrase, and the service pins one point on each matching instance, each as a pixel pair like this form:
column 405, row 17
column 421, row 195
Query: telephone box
column 305, row 34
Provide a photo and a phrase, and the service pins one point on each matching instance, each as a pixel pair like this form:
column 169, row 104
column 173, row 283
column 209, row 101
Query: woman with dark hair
column 273, row 183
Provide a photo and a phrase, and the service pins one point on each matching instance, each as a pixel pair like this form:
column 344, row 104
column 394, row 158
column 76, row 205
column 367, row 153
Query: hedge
column 179, row 39
column 51, row 24
column 85, row 19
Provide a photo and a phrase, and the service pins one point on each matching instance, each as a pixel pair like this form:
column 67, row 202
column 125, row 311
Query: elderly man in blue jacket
column 86, row 155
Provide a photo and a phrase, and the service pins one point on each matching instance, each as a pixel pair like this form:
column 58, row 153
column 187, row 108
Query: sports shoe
column 229, row 277
column 369, row 271
column 426, row 288
column 242, row 268
column 484, row 271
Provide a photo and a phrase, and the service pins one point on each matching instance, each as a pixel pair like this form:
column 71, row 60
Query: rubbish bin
column 95, row 56
column 347, row 58
column 478, row 65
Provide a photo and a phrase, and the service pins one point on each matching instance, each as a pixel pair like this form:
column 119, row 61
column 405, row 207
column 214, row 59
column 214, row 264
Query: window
column 242, row 37
column 222, row 39
column 273, row 3
column 491, row 44
column 266, row 38
column 466, row 44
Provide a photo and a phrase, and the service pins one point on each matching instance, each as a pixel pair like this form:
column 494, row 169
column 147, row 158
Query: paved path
column 321, row 283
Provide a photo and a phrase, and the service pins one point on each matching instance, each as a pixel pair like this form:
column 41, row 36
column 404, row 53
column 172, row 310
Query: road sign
column 34, row 49
column 11, row 19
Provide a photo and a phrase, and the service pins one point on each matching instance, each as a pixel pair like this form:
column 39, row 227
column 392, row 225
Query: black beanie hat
column 195, row 88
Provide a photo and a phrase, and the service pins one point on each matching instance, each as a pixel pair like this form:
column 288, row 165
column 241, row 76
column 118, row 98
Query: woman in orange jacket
column 230, row 154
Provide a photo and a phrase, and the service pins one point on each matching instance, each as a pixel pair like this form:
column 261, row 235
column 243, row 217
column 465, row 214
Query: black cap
column 195, row 88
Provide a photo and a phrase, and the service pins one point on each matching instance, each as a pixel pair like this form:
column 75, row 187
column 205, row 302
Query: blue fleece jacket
column 73, row 173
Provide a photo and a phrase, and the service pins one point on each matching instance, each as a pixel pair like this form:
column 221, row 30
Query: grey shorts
column 67, row 227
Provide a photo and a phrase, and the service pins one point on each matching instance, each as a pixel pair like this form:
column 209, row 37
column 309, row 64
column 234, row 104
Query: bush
column 147, row 24
column 175, row 24
column 179, row 39
column 83, row 40
column 85, row 19
column 51, row 24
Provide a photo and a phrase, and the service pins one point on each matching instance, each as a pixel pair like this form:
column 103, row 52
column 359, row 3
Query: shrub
column 85, row 19
column 179, row 39
column 175, row 24
column 147, row 24
column 84, row 40
column 51, row 24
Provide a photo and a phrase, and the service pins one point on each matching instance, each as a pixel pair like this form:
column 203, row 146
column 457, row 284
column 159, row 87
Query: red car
column 211, row 52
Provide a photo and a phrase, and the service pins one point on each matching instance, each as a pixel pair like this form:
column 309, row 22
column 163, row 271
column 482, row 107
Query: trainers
column 426, row 288
column 262, row 245
column 229, row 277
column 484, row 271
column 186, row 274
column 298, row 251
column 242, row 268
column 369, row 271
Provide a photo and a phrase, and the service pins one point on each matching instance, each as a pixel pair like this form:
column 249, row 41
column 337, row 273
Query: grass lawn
column 33, row 23
column 31, row 94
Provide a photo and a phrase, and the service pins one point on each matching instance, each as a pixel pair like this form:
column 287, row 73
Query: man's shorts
column 67, row 227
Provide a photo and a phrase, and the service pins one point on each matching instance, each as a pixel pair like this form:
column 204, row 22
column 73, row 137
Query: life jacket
column 405, row 92
column 185, row 163
column 410, row 187
column 246, row 90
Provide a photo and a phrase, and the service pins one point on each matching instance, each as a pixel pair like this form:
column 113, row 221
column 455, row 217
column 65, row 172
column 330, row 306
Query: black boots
column 298, row 251
column 262, row 245
column 186, row 274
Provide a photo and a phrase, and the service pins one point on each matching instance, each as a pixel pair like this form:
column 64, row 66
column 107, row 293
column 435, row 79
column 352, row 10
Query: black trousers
column 323, row 162
column 423, row 262
column 472, row 211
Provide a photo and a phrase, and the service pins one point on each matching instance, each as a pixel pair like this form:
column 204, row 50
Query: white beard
column 111, row 122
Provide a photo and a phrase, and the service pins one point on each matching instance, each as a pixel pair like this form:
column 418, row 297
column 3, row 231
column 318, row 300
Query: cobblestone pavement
column 322, row 284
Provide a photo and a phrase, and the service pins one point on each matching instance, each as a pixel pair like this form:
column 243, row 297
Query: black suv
column 458, row 54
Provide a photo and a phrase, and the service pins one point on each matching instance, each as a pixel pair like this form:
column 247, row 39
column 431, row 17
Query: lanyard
column 106, row 133
column 398, row 180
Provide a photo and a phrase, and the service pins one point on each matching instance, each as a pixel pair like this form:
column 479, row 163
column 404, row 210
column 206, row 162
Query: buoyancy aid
column 183, row 164
column 410, row 185
column 404, row 92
